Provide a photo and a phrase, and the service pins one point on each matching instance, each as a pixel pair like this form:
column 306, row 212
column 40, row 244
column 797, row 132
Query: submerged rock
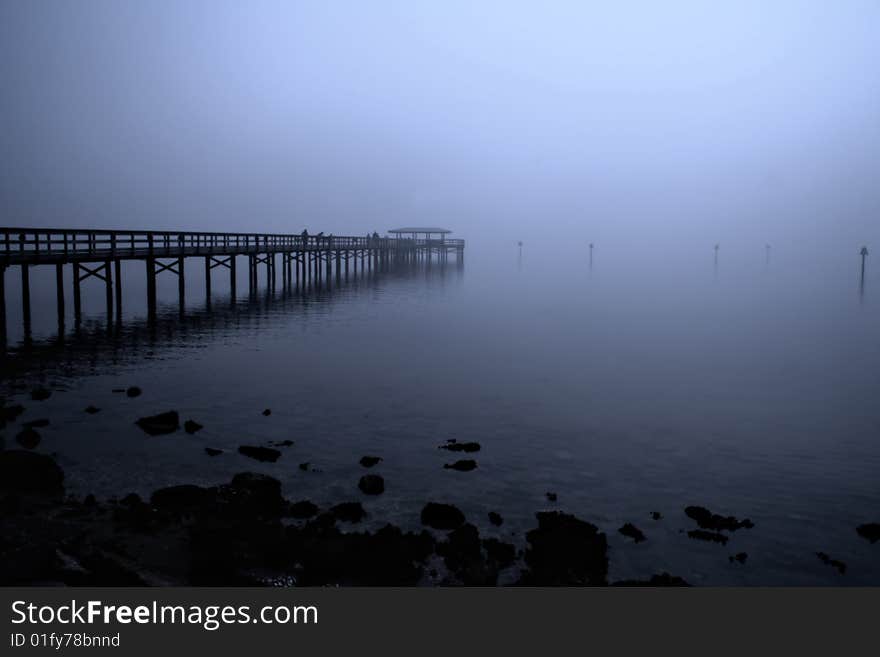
column 10, row 413
column 834, row 563
column 264, row 454
column 211, row 451
column 40, row 393
column 461, row 447
column 157, row 425
column 869, row 531
column 303, row 509
column 370, row 461
column 133, row 391
column 495, row 518
column 179, row 498
column 656, row 515
column 463, row 465
column 551, row 497
column 267, row 412
column 191, row 426
column 28, row 438
column 702, row 535
column 441, row 516
column 372, row 484
column 631, row 531
column 348, row 512
column 91, row 410
column 565, row 551
column 304, row 466
column 282, row 443
column 739, row 557
column 29, row 472
column 708, row 520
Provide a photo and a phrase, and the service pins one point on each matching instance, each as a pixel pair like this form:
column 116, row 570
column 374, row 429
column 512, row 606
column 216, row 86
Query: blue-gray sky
column 744, row 121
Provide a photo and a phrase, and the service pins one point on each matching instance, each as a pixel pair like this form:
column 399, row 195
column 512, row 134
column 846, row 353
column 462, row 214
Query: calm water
column 628, row 388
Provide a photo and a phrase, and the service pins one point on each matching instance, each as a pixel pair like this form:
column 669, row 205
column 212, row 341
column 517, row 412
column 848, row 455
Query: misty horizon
column 628, row 125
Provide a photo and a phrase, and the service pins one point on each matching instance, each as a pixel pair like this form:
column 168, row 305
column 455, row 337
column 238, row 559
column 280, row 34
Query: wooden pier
column 305, row 259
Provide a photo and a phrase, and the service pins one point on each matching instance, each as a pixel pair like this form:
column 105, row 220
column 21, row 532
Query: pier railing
column 34, row 245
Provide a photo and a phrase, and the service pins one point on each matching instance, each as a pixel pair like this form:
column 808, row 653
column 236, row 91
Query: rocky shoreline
column 246, row 533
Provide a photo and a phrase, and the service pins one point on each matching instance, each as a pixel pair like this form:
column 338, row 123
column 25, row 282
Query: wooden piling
column 26, row 294
column 59, row 292
column 118, row 272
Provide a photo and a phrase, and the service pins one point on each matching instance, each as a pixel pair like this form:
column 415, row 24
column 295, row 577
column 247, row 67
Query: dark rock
column 179, row 498
column 132, row 499
column 739, row 557
column 565, row 551
column 348, row 512
column 372, row 484
column 10, row 413
column 387, row 557
column 824, row 558
column 631, row 531
column 495, row 518
column 461, row 447
column 212, row 451
column 118, row 390
column 303, row 509
column 304, row 466
column 259, row 493
column 442, row 516
column 163, row 423
column 282, row 443
column 463, row 556
column 656, row 515
column 267, row 412
column 28, row 472
column 370, row 461
column 463, row 465
column 91, row 410
column 40, row 393
column 264, row 454
column 663, row 579
column 500, row 554
column 551, row 497
column 90, row 500
column 36, row 424
column 191, row 426
column 28, row 438
column 708, row 520
column 133, row 391
column 869, row 531
column 702, row 535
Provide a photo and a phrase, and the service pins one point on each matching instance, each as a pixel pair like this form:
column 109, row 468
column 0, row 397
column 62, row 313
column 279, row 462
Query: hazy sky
column 677, row 121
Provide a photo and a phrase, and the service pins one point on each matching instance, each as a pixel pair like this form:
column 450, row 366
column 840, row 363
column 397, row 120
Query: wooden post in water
column 864, row 254
column 3, row 305
column 591, row 255
column 108, row 288
column 77, row 297
column 59, row 294
column 26, row 294
column 232, row 276
column 118, row 272
column 181, row 284
column 151, row 287
column 208, row 280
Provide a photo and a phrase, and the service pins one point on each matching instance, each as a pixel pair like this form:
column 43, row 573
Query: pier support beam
column 151, row 287
column 181, row 285
column 77, row 296
column 59, row 295
column 26, row 296
column 118, row 272
column 208, row 280
column 108, row 287
column 232, row 277
column 2, row 305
